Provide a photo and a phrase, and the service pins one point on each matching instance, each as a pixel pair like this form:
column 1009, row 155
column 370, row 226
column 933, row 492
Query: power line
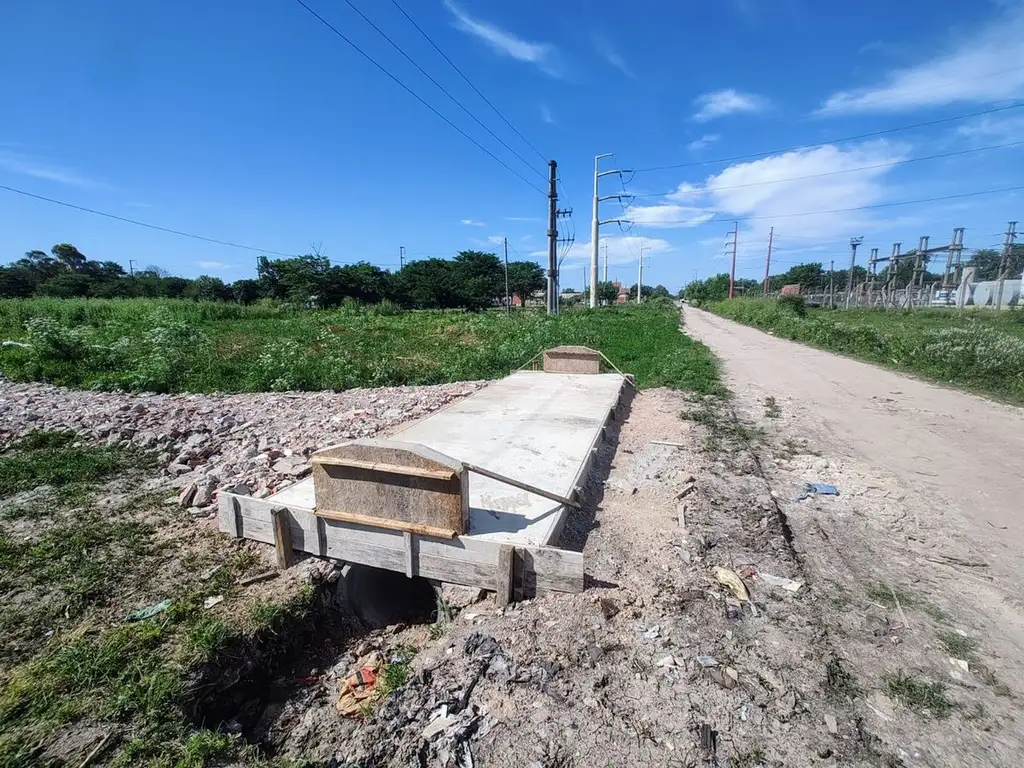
column 443, row 90
column 145, row 224
column 858, row 208
column 418, row 98
column 468, row 81
column 852, row 170
column 832, row 141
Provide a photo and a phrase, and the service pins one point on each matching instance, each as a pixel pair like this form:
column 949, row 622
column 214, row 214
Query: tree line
column 473, row 280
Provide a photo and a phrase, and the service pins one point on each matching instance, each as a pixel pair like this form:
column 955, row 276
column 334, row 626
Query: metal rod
column 521, row 485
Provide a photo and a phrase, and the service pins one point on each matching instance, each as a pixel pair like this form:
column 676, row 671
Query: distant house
column 623, row 296
column 791, row 290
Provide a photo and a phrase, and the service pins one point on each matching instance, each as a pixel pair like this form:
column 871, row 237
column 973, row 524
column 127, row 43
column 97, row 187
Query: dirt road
column 930, row 510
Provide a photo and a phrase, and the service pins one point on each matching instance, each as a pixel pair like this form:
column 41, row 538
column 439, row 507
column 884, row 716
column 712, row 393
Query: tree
column 987, row 261
column 65, row 286
column 299, row 280
column 607, row 292
column 661, row 290
column 17, row 282
column 700, row 292
column 480, row 279
column 525, row 277
column 69, row 256
column 429, row 284
column 206, row 288
column 245, row 291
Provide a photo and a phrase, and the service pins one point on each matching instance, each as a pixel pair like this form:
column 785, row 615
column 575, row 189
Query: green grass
column 186, row 346
column 53, row 458
column 958, row 646
column 921, row 696
column 975, row 350
column 887, row 596
column 66, row 584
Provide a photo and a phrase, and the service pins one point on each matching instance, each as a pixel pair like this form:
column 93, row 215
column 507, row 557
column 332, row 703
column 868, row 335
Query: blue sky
column 253, row 123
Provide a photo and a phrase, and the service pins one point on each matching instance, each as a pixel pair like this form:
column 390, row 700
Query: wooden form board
column 463, row 560
column 394, row 481
column 572, row 360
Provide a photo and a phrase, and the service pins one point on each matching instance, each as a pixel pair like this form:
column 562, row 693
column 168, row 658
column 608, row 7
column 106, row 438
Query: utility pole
column 768, row 261
column 854, row 242
column 552, row 237
column 401, row 258
column 831, row 285
column 732, row 272
column 595, row 223
column 131, row 267
column 640, row 274
column 606, row 261
column 956, row 245
column 508, row 299
column 1004, row 262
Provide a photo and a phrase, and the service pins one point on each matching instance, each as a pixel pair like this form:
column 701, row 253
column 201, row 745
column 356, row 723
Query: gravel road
column 931, row 494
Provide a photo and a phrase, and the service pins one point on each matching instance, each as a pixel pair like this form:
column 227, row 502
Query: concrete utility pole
column 956, row 246
column 768, row 261
column 401, row 258
column 854, row 242
column 640, row 274
column 831, row 285
column 131, row 267
column 595, row 223
column 732, row 272
column 606, row 261
column 1004, row 262
column 508, row 298
column 552, row 237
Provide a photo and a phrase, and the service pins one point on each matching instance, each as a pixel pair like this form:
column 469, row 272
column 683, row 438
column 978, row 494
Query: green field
column 978, row 350
column 184, row 346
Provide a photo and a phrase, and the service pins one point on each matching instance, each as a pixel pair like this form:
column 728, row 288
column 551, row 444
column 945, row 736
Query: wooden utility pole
column 768, row 260
column 732, row 272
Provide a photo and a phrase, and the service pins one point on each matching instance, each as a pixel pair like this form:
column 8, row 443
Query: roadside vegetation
column 80, row 550
column 979, row 351
column 184, row 346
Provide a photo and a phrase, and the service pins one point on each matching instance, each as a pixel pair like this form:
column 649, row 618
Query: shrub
column 795, row 304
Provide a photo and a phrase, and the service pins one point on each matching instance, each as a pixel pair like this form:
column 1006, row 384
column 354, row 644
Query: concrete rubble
column 252, row 443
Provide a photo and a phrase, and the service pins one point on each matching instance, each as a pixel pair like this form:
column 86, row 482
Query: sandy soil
column 931, row 495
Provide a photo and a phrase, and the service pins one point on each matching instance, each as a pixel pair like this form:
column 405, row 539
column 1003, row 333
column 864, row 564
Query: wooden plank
column 392, row 480
column 383, row 522
column 409, row 567
column 463, row 560
column 235, row 525
column 505, row 575
column 282, row 536
column 521, row 485
column 392, row 469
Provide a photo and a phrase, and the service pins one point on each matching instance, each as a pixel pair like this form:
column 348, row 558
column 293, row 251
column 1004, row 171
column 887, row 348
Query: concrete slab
column 533, row 426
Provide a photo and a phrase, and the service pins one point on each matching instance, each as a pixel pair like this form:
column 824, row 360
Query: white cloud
column 703, row 141
column 779, row 185
column 727, row 102
column 611, row 55
column 496, row 239
column 474, row 223
column 524, row 218
column 989, row 128
column 545, row 114
column 27, row 165
column 982, row 68
column 622, row 249
column 214, row 265
column 543, row 55
column 669, row 216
